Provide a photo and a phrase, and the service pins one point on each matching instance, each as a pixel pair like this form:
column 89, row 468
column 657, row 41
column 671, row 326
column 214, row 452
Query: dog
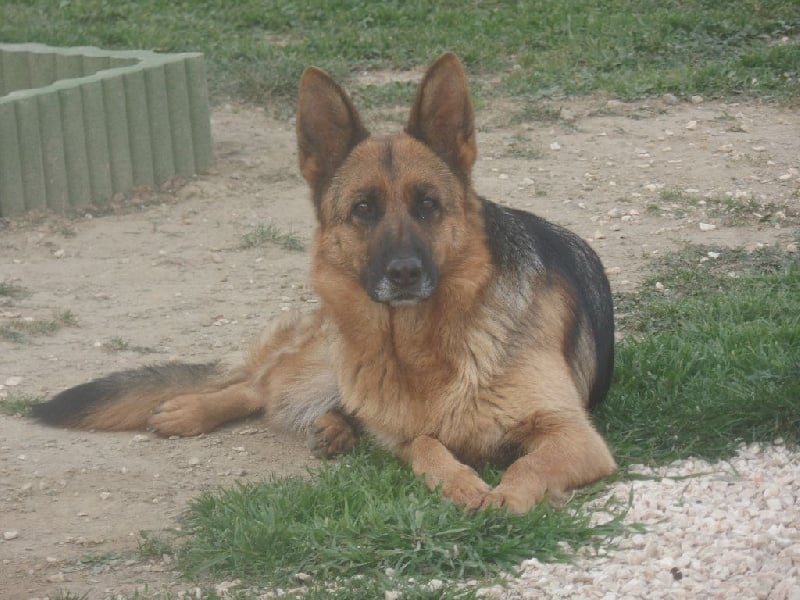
column 452, row 330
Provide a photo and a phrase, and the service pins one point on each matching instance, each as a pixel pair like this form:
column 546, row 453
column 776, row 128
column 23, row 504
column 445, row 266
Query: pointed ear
column 328, row 128
column 442, row 115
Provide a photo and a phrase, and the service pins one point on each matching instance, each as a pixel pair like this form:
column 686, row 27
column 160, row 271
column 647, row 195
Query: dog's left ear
column 328, row 128
column 442, row 115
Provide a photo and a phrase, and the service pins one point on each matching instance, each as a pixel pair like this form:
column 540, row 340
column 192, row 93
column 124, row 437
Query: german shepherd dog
column 451, row 329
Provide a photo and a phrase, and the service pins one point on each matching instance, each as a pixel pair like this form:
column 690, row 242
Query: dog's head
column 393, row 211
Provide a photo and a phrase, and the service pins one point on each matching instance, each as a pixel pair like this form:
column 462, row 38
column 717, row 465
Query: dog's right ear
column 328, row 128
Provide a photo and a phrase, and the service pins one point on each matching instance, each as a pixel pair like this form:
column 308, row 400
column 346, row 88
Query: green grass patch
column 385, row 94
column 730, row 210
column 19, row 330
column 711, row 361
column 364, row 514
column 18, row 405
column 256, row 50
column 117, row 344
column 154, row 546
column 272, row 234
column 63, row 595
column 11, row 290
column 736, row 211
column 96, row 561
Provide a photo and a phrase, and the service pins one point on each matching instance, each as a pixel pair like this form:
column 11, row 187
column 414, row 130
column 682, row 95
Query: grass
column 272, row 234
column 11, row 290
column 712, row 361
column 523, row 148
column 117, row 344
column 96, row 561
column 730, row 210
column 19, row 330
column 364, row 514
column 256, row 50
column 17, row 405
column 386, row 94
column 153, row 546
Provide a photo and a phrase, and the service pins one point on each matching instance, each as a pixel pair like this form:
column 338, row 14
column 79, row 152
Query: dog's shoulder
column 520, row 241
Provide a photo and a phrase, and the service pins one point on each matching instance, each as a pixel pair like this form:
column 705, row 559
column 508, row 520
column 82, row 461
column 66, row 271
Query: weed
column 734, row 210
column 67, row 230
column 64, row 595
column 152, row 546
column 10, row 334
column 17, row 405
column 272, row 234
column 673, row 195
column 18, row 330
column 96, row 561
column 730, row 209
column 384, row 95
column 524, row 152
column 536, row 112
column 522, row 147
column 11, row 290
column 117, row 344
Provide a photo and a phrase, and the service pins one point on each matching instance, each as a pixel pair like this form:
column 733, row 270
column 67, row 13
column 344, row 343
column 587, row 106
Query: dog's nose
column 404, row 272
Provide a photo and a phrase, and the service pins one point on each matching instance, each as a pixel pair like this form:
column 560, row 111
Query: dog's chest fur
column 429, row 372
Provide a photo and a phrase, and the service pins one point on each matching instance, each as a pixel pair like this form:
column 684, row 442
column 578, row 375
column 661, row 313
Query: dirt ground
column 171, row 279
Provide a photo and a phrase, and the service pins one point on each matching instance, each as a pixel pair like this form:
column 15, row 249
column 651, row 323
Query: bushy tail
column 124, row 400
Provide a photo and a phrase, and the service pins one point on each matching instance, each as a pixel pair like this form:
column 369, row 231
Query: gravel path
column 724, row 530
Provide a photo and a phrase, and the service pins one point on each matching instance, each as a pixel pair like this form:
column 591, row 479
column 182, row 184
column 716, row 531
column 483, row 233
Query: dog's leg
column 437, row 465
column 193, row 414
column 330, row 434
column 563, row 451
column 288, row 374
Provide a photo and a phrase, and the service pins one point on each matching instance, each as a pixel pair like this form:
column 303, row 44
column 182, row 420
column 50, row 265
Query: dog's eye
column 365, row 209
column 426, row 204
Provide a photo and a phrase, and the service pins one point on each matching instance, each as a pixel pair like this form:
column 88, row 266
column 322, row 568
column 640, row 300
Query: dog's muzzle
column 405, row 280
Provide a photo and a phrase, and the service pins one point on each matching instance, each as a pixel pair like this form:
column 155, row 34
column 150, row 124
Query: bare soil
column 165, row 276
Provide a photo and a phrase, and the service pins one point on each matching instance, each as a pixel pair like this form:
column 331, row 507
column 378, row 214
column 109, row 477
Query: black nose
column 404, row 272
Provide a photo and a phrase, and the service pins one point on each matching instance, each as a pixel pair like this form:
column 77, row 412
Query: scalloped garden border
column 80, row 124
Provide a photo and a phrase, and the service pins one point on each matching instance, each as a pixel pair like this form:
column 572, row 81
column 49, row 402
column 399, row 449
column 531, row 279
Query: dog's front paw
column 181, row 415
column 519, row 501
column 507, row 499
column 331, row 434
column 466, row 489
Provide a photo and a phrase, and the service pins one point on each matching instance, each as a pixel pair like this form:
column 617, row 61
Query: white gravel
column 724, row 530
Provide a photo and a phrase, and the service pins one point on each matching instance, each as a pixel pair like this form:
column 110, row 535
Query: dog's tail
column 124, row 400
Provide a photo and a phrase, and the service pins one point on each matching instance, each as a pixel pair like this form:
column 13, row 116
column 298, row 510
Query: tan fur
column 137, row 407
column 476, row 372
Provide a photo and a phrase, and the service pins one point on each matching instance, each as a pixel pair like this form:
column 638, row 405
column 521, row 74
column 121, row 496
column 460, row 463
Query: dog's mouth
column 403, row 302
column 389, row 293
